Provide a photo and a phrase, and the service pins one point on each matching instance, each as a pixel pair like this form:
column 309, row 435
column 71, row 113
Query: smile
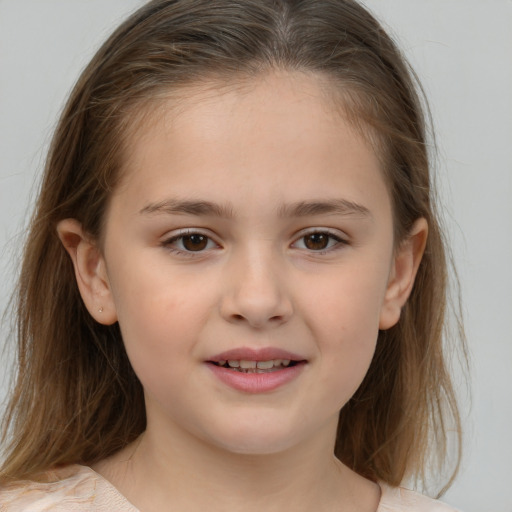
column 254, row 371
column 245, row 366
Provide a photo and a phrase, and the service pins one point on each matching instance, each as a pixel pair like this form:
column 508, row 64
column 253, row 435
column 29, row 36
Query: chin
column 257, row 447
column 255, row 438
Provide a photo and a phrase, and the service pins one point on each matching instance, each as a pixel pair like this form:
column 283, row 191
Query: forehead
column 271, row 131
column 218, row 99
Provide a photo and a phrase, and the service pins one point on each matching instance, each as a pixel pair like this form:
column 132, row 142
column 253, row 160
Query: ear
column 405, row 265
column 90, row 271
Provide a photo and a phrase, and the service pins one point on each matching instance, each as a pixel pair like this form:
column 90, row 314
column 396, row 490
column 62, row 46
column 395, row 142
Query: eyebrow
column 298, row 209
column 332, row 206
column 174, row 206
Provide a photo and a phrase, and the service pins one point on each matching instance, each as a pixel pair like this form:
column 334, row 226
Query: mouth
column 260, row 370
column 252, row 366
column 259, row 360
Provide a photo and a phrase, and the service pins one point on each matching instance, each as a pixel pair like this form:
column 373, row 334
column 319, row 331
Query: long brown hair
column 76, row 398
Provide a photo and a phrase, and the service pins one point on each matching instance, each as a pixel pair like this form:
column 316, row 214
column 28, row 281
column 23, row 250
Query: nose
column 255, row 291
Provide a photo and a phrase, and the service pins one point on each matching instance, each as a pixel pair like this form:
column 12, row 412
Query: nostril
column 273, row 320
column 257, row 309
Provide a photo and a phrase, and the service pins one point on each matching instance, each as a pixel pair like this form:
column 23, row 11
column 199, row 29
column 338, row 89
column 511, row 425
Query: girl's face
column 252, row 228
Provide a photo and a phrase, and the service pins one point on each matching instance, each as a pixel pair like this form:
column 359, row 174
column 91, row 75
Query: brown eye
column 189, row 243
column 195, row 242
column 317, row 241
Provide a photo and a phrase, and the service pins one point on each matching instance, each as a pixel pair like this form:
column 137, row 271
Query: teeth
column 255, row 365
column 265, row 365
column 247, row 364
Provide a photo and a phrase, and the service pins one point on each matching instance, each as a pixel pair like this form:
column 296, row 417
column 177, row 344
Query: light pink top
column 80, row 489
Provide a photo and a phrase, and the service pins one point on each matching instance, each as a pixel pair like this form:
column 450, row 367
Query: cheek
column 346, row 355
column 151, row 298
column 161, row 320
column 344, row 319
column 347, row 351
column 347, row 302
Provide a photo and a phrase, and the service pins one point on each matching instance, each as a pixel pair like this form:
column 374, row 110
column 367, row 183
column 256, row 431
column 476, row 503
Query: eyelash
column 169, row 243
column 339, row 241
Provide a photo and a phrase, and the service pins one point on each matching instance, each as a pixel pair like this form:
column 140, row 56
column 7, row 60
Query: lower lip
column 256, row 382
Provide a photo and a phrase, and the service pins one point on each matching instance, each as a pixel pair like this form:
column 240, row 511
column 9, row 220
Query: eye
column 318, row 241
column 190, row 242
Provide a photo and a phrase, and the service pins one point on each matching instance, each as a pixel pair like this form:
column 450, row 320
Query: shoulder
column 71, row 489
column 398, row 499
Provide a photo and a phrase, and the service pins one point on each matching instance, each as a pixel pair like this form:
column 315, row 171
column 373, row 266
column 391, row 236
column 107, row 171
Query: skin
column 259, row 281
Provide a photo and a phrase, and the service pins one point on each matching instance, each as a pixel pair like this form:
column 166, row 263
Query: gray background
column 462, row 51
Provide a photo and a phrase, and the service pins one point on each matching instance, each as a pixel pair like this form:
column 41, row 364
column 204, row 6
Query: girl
column 233, row 289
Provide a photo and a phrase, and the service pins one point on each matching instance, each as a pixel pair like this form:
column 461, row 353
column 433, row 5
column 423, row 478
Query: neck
column 158, row 471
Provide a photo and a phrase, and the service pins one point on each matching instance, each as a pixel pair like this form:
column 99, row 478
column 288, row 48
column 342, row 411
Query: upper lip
column 255, row 354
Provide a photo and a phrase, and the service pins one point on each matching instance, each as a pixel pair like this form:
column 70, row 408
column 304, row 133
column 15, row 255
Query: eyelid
column 341, row 238
column 176, row 235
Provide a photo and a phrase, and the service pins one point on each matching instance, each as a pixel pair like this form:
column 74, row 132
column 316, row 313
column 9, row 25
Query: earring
column 100, row 310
